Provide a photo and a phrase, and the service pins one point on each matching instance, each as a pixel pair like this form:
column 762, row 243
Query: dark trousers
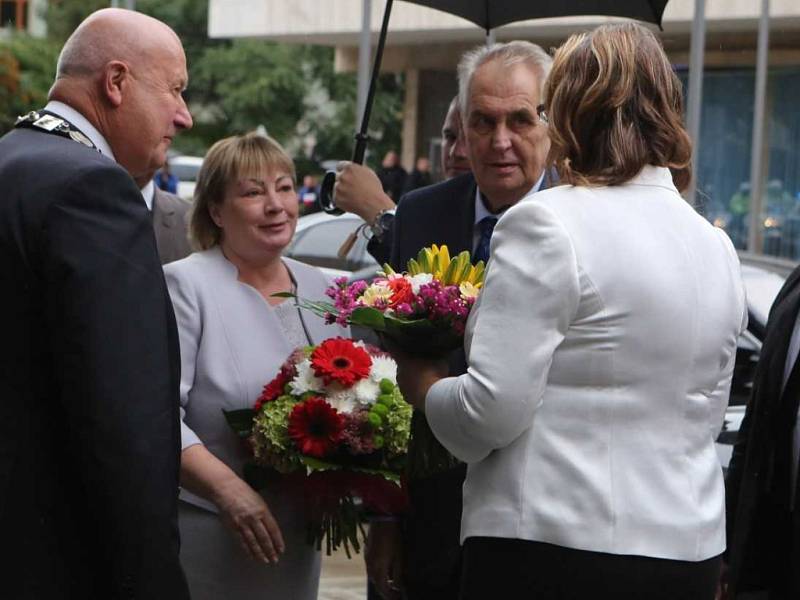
column 497, row 568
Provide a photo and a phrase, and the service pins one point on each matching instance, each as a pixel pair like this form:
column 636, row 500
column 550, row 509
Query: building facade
column 426, row 44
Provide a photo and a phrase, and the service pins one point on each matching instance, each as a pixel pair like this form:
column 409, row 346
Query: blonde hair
column 228, row 160
column 614, row 105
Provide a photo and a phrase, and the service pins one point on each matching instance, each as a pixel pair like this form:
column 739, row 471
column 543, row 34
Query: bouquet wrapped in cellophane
column 334, row 423
column 422, row 310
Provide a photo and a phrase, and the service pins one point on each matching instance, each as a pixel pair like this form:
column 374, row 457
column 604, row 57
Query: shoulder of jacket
column 172, row 201
column 443, row 193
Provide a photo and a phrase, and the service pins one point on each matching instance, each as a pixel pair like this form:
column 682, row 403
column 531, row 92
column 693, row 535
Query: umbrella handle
column 326, row 198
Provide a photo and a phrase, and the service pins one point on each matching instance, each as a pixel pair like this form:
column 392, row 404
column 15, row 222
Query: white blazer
column 600, row 357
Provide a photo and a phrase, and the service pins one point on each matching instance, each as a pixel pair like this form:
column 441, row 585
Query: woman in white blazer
column 600, row 354
column 234, row 336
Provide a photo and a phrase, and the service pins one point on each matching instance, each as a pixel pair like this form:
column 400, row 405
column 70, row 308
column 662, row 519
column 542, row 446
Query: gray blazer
column 232, row 344
column 170, row 223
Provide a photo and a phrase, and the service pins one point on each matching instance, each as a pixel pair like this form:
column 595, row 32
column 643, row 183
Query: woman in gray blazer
column 238, row 544
column 600, row 353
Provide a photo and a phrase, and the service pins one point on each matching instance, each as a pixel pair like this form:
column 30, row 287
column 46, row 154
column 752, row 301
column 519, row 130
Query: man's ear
column 116, row 77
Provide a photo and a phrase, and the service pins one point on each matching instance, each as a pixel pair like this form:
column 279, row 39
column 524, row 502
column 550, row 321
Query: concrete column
column 408, row 152
column 695, row 92
column 760, row 154
column 37, row 26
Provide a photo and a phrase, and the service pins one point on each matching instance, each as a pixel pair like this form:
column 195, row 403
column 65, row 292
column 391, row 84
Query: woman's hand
column 416, row 375
column 241, row 508
column 246, row 513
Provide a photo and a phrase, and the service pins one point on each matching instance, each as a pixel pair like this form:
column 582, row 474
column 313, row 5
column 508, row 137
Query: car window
column 185, row 172
column 319, row 245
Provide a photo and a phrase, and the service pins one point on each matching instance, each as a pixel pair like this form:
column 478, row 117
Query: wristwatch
column 382, row 223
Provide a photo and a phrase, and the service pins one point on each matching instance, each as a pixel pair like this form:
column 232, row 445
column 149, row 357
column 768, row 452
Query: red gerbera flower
column 340, row 360
column 403, row 293
column 273, row 389
column 315, row 426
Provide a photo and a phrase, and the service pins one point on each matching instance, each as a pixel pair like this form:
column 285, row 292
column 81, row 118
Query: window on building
column 723, row 164
column 14, row 13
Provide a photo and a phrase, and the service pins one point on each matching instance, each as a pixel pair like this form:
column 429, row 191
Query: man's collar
column 78, row 120
column 148, row 193
column 482, row 212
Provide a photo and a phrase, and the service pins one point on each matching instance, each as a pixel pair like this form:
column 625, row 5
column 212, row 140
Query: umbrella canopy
column 494, row 13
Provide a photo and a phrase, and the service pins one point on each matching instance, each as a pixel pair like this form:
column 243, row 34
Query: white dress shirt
column 148, row 192
column 73, row 116
column 600, row 356
column 481, row 212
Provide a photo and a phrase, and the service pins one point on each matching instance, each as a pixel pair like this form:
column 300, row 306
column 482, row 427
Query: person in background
column 165, row 180
column 392, row 175
column 89, row 371
column 455, row 161
column 239, row 544
column 308, row 194
column 420, row 176
column 358, row 189
column 170, row 217
column 595, row 393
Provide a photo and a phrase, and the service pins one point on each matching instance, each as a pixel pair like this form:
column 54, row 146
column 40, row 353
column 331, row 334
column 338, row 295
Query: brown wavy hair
column 614, row 105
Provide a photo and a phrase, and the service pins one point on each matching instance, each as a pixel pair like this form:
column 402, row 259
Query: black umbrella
column 490, row 14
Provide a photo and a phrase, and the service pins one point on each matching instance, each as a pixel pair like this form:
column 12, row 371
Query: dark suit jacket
column 439, row 214
column 170, row 223
column 757, row 485
column 89, row 375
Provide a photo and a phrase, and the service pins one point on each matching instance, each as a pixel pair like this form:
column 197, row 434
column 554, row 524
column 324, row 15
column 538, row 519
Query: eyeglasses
column 542, row 114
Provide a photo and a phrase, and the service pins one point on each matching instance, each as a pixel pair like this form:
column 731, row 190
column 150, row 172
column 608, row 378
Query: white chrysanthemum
column 366, row 391
column 343, row 400
column 383, row 367
column 306, row 380
column 374, row 293
column 419, row 280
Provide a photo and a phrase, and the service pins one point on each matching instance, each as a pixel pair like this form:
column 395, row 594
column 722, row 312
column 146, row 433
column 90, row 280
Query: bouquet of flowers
column 423, row 310
column 333, row 419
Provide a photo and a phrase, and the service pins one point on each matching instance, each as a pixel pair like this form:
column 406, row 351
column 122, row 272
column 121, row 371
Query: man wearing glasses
column 505, row 134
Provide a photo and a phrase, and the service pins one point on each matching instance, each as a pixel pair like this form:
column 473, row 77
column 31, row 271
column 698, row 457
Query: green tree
column 64, row 16
column 234, row 85
column 27, row 69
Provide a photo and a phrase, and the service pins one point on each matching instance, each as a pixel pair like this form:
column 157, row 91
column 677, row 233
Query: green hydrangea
column 397, row 427
column 273, row 447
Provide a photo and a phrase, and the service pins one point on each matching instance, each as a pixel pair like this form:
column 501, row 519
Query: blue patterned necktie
column 486, row 227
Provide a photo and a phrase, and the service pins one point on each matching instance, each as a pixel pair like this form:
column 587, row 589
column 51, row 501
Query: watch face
column 385, row 221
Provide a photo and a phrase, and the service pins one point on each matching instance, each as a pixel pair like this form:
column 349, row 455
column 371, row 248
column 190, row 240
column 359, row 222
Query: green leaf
column 315, row 464
column 368, row 317
column 241, row 421
column 283, row 295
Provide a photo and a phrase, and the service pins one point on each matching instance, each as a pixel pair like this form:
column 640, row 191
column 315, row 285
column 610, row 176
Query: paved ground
column 343, row 578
